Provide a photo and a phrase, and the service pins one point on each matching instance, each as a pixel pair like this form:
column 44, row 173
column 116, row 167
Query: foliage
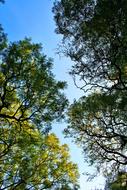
column 28, row 84
column 119, row 182
column 96, row 125
column 95, row 38
column 37, row 162
column 30, row 99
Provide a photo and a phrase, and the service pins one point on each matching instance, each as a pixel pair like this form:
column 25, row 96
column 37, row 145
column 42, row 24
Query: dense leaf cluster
column 30, row 99
column 95, row 38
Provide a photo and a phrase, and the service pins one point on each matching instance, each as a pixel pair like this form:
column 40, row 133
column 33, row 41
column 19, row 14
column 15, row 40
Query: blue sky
column 33, row 18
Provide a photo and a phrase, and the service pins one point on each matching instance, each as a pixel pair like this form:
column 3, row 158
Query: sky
column 34, row 19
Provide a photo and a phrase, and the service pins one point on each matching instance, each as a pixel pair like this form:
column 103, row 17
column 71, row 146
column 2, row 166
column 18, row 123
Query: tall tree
column 95, row 38
column 28, row 84
column 37, row 161
column 30, row 99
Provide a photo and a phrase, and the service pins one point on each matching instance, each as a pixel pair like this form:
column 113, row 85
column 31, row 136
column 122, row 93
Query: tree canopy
column 30, row 99
column 28, row 84
column 95, row 38
column 118, row 182
column 36, row 161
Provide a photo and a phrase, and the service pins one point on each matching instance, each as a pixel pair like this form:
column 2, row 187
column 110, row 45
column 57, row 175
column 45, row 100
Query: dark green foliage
column 119, row 182
column 96, row 122
column 95, row 38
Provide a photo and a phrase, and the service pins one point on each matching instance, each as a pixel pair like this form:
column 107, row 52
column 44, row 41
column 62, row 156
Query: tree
column 95, row 38
column 29, row 91
column 119, row 182
column 30, row 99
column 37, row 162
